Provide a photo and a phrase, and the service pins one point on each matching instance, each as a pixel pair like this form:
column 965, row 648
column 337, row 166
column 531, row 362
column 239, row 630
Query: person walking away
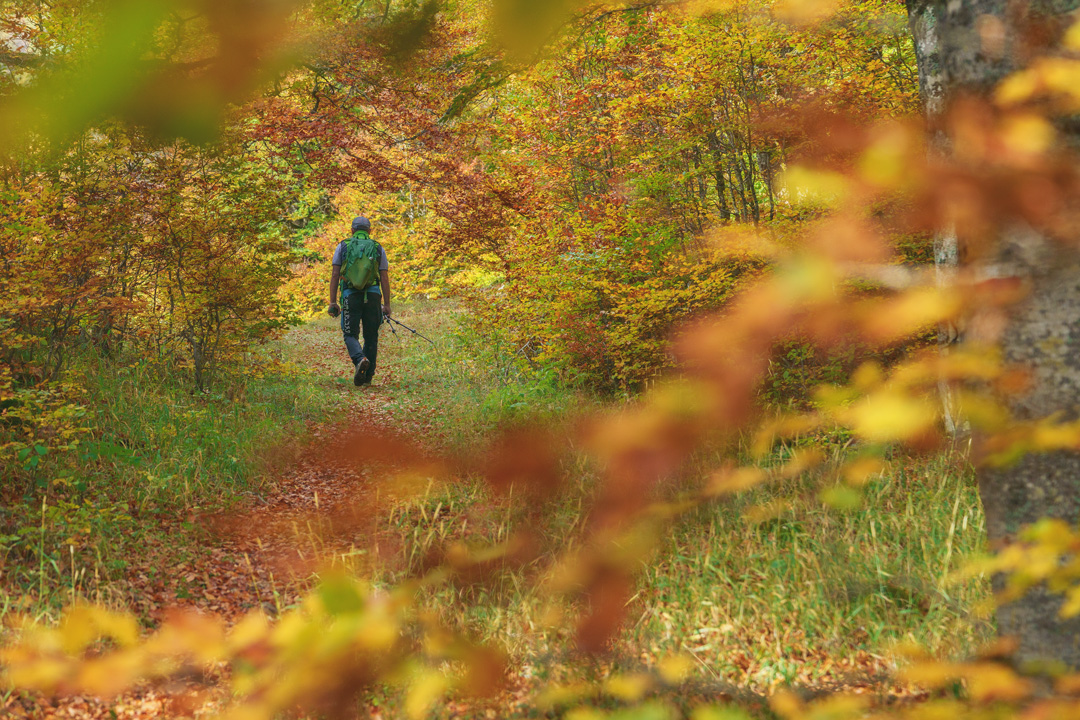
column 362, row 273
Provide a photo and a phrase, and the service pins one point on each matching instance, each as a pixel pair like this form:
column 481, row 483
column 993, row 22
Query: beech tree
column 965, row 48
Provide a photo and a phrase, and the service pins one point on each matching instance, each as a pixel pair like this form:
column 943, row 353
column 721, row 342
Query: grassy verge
column 808, row 595
column 137, row 453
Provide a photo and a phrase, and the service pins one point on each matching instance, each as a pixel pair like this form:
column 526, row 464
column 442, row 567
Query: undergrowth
column 126, row 455
column 772, row 587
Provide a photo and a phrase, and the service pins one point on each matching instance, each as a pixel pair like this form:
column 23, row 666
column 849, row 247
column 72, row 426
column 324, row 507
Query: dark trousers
column 362, row 311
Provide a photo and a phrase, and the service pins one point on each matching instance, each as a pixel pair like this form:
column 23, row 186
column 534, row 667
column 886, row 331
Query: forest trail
column 319, row 510
column 320, row 505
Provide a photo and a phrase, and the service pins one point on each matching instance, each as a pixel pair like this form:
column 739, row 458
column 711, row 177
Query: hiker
column 363, row 303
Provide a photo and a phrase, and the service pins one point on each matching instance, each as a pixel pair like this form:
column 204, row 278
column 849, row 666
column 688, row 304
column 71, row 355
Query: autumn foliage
column 658, row 206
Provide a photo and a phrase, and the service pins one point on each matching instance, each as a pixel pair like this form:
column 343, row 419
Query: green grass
column 808, row 597
column 192, row 449
column 805, row 597
column 463, row 386
column 767, row 602
column 145, row 447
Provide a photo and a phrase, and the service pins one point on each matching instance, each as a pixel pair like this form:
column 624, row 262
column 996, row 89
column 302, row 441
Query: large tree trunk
column 1044, row 335
column 967, row 47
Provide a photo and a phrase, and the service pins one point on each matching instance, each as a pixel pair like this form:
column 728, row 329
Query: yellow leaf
column 913, row 311
column 929, row 674
column 424, row 692
column 708, row 712
column 251, row 629
column 802, row 460
column 1071, row 607
column 804, row 12
column 584, row 713
column 820, row 187
column 1018, row 88
column 1072, row 36
column 990, row 681
column 808, row 279
column 763, row 513
column 842, row 497
column 787, row 705
column 1050, row 436
column 555, row 696
column 1028, row 134
column 891, row 416
column 885, row 162
column 867, row 376
column 726, row 482
column 110, row 675
column 983, row 412
column 859, row 471
column 629, row 688
column 675, row 669
column 1062, row 75
column 43, row 674
column 838, row 708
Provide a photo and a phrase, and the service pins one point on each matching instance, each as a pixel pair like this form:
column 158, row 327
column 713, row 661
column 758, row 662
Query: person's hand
column 334, row 310
column 386, row 310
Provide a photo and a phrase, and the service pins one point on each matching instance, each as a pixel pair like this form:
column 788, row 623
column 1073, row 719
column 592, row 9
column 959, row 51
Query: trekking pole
column 391, row 326
column 403, row 326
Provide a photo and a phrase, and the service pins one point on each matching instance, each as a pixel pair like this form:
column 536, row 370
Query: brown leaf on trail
column 485, row 672
column 338, row 697
column 362, row 445
column 187, row 703
column 608, row 594
column 524, row 461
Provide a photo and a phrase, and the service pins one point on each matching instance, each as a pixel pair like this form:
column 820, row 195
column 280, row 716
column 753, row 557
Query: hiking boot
column 360, row 375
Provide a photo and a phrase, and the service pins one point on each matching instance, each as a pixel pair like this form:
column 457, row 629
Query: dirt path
column 322, row 508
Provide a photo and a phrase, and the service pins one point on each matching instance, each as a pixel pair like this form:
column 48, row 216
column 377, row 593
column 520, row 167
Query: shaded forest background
column 569, row 196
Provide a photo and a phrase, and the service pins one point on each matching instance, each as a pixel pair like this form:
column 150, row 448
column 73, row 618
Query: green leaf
column 842, row 497
column 340, row 596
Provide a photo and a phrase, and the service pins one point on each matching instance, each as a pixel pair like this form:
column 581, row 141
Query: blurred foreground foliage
column 125, row 234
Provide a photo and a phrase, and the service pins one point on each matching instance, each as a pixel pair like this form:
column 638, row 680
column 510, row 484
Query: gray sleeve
column 384, row 264
column 339, row 254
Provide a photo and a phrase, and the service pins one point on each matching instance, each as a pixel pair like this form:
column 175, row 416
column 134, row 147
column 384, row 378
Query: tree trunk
column 1044, row 332
column 1044, row 336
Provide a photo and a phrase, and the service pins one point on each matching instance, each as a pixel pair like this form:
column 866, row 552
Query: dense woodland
column 751, row 390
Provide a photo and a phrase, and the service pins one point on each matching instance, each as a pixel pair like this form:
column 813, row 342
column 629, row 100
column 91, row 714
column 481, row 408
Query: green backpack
column 360, row 270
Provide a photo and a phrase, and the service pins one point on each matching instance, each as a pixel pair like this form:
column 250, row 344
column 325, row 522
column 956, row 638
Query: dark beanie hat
column 361, row 223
